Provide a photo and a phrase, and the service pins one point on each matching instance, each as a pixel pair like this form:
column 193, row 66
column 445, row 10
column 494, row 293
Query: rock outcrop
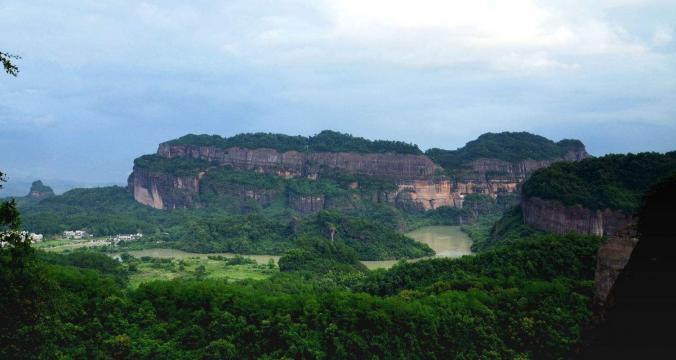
column 427, row 194
column 163, row 190
column 613, row 255
column 554, row 216
column 40, row 191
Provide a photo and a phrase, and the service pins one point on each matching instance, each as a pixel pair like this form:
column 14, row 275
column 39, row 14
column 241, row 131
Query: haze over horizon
column 102, row 83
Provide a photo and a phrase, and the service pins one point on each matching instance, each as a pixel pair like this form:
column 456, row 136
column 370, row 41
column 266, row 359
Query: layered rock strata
column 294, row 163
column 554, row 216
column 417, row 185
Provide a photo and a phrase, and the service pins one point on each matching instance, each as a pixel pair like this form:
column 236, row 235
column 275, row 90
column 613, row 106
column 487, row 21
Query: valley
column 333, row 246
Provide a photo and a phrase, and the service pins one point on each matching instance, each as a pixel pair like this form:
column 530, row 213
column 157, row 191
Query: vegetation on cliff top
column 177, row 166
column 609, row 182
column 507, row 146
column 325, row 141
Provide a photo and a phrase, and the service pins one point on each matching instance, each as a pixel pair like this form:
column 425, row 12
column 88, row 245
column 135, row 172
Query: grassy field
column 146, row 268
column 59, row 245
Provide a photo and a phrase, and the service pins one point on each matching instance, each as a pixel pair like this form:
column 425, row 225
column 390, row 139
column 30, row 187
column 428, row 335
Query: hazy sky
column 102, row 82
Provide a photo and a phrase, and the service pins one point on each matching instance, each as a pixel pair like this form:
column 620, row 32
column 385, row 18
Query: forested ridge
column 325, row 141
column 614, row 181
column 506, row 146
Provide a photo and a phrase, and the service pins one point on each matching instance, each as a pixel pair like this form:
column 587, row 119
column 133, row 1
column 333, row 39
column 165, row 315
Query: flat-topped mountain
column 185, row 172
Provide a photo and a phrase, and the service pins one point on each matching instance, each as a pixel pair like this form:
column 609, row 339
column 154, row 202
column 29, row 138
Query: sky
column 102, row 82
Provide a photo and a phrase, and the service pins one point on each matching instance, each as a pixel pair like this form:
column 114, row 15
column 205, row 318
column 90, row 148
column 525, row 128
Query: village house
column 76, row 234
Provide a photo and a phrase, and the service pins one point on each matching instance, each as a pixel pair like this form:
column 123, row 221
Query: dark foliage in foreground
column 530, row 300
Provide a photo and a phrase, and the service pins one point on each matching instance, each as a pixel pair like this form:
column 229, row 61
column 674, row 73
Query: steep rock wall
column 554, row 216
column 427, row 194
column 414, row 174
column 492, row 170
column 163, row 191
column 293, row 163
column 613, row 255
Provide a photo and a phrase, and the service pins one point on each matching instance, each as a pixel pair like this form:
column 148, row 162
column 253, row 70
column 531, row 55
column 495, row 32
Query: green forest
column 228, row 219
column 325, row 141
column 610, row 182
column 507, row 146
column 530, row 300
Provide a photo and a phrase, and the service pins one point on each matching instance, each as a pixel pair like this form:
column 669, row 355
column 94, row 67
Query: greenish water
column 446, row 241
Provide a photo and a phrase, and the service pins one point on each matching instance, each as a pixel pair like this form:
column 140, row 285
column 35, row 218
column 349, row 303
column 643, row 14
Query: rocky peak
column 40, row 191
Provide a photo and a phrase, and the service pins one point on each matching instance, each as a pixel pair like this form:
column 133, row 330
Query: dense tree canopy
column 525, row 301
column 325, row 141
column 507, row 146
column 609, row 182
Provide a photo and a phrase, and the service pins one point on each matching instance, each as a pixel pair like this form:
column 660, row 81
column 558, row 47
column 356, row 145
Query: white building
column 126, row 237
column 76, row 234
column 36, row 237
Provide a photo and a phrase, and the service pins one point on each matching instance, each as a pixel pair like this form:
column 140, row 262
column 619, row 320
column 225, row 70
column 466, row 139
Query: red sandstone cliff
column 417, row 187
column 294, row 163
column 553, row 216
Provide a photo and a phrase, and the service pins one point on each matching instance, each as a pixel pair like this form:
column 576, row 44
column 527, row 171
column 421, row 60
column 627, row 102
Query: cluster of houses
column 76, row 234
column 34, row 237
column 125, row 237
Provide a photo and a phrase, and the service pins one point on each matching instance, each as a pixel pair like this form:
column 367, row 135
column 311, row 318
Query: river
column 446, row 241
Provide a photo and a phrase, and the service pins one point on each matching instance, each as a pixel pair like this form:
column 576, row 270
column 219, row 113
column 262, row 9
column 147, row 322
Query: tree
column 7, row 64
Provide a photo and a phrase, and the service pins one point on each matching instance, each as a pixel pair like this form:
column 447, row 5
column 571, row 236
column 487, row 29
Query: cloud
column 119, row 77
column 663, row 36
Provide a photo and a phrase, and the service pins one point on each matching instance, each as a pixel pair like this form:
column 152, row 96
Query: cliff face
column 162, row 190
column 414, row 175
column 491, row 170
column 426, row 194
column 553, row 216
column 293, row 163
column 612, row 257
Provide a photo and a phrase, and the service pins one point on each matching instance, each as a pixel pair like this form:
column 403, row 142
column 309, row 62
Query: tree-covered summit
column 507, row 146
column 325, row 141
column 609, row 182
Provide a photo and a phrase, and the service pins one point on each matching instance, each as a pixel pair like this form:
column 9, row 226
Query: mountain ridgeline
column 333, row 170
